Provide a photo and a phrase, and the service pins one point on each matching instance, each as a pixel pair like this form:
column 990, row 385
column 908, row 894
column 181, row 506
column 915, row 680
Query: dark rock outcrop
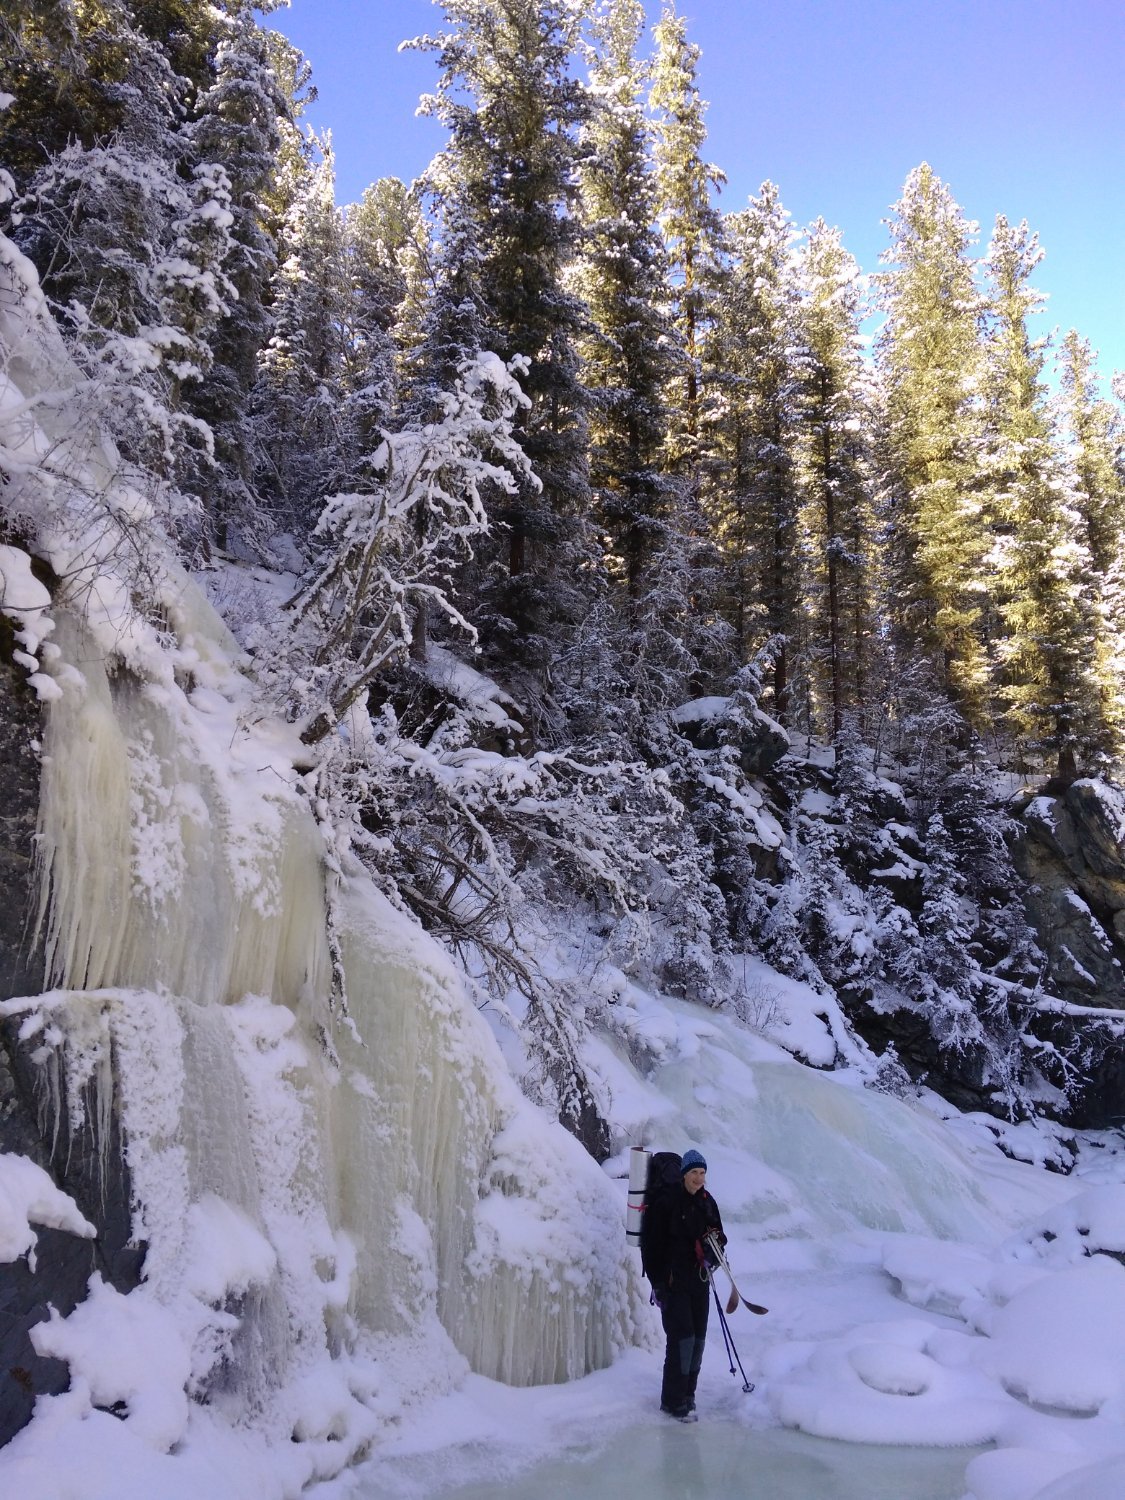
column 1073, row 860
column 21, row 969
column 958, row 1076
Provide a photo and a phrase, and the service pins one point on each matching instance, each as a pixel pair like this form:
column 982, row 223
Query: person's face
column 693, row 1179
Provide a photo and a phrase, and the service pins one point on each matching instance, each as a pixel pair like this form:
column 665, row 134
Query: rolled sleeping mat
column 638, row 1181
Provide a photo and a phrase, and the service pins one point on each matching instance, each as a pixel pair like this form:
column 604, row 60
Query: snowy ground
column 603, row 1436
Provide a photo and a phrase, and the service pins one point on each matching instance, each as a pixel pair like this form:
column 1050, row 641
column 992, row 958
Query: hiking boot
column 681, row 1413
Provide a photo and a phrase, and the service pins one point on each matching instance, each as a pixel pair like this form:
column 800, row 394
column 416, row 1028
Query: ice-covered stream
column 725, row 1462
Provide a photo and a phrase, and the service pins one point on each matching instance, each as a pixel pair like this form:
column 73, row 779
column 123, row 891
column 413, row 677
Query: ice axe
column 714, row 1246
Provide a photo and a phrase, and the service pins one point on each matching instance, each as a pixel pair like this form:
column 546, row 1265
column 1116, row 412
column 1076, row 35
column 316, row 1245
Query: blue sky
column 1016, row 104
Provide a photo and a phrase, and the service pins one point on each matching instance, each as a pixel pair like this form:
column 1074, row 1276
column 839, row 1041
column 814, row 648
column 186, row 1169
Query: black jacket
column 674, row 1223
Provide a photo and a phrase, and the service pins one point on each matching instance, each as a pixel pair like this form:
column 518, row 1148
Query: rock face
column 1073, row 858
column 63, row 1262
column 21, row 970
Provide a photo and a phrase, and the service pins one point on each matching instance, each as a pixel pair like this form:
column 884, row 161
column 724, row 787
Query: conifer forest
column 618, row 582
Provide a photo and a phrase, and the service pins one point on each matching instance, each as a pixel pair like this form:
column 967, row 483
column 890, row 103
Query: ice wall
column 184, row 920
column 174, row 852
column 457, row 1189
column 796, row 1151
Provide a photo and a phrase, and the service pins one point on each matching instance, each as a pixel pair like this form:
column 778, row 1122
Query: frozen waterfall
column 184, row 921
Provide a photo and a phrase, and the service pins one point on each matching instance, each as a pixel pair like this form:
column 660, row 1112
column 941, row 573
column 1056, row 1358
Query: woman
column 675, row 1221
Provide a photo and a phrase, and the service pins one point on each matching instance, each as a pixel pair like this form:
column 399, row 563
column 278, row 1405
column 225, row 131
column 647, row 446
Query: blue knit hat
column 691, row 1159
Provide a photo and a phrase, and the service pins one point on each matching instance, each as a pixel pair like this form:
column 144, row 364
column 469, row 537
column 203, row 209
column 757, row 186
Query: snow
column 227, row 1254
column 356, row 1244
column 699, row 710
column 23, row 597
column 816, row 803
column 1101, row 1481
column 747, row 801
column 840, row 1203
column 27, row 1197
column 127, row 1350
column 486, row 703
column 1041, row 810
column 1061, row 1341
column 790, row 1013
column 600, row 1448
column 26, row 601
column 881, row 1384
column 829, row 1190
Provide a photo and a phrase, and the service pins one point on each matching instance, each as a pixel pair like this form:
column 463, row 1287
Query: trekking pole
column 732, row 1352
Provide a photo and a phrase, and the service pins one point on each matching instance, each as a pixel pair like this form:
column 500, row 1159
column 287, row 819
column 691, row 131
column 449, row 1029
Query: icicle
column 162, row 865
column 522, row 1231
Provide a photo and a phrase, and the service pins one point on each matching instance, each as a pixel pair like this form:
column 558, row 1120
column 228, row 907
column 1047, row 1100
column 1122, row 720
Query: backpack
column 663, row 1174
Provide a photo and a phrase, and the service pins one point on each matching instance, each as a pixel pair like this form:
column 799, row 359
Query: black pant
column 684, row 1316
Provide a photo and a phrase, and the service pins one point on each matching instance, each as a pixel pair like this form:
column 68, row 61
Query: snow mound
column 1017, row 1474
column 1100, row 1481
column 226, row 1253
column 892, row 1369
column 883, row 1384
column 127, row 1351
column 27, row 1197
column 1093, row 1220
column 943, row 1276
column 1061, row 1341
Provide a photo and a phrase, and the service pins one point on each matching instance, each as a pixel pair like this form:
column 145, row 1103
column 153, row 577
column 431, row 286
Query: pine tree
column 72, row 69
column 352, row 615
column 857, row 799
column 299, row 393
column 131, row 235
column 982, row 832
column 382, row 228
column 621, row 277
column 238, row 123
column 755, row 499
column 300, row 146
column 835, row 480
column 948, row 973
column 56, row 95
column 512, row 107
column 930, row 357
column 445, row 333
column 1049, row 647
column 1093, row 431
column 452, row 325
column 386, row 243
column 418, row 269
column 389, row 255
column 693, row 230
